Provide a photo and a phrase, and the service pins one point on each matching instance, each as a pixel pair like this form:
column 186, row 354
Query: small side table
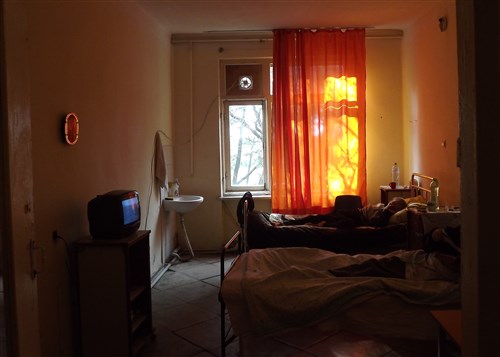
column 450, row 332
column 387, row 193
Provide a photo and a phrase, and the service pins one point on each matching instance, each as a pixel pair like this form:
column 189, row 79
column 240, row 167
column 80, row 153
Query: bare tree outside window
column 246, row 144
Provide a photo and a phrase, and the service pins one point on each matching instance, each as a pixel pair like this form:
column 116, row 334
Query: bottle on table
column 433, row 204
column 395, row 174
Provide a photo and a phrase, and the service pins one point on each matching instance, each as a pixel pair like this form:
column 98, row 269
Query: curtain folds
column 318, row 142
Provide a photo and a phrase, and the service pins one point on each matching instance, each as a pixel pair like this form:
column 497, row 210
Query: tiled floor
column 186, row 310
column 186, row 317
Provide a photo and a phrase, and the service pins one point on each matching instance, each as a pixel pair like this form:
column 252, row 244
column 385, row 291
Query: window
column 245, row 104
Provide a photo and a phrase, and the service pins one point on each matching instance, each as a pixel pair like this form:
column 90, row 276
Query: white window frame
column 227, row 189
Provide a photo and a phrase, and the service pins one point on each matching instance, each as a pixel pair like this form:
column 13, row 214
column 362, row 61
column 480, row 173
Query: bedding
column 372, row 229
column 268, row 291
column 286, row 287
column 364, row 230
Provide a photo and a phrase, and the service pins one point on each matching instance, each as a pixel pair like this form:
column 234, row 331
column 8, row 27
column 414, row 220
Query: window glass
column 246, row 145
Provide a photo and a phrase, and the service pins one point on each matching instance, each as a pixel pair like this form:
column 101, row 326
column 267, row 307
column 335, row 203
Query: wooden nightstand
column 387, row 193
column 450, row 332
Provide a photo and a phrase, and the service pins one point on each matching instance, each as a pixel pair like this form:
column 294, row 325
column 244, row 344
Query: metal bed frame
column 420, row 185
column 239, row 239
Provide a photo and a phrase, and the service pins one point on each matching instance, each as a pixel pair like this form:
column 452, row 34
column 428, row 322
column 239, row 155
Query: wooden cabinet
column 114, row 295
column 387, row 193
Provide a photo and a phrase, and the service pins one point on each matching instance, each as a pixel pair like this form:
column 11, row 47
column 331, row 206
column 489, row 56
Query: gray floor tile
column 203, row 271
column 162, row 299
column 205, row 334
column 171, row 279
column 193, row 291
column 181, row 267
column 167, row 344
column 208, row 303
column 182, row 316
column 214, row 281
column 204, row 354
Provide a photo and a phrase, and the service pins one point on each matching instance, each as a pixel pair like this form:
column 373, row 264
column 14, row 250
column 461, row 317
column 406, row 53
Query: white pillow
column 399, row 217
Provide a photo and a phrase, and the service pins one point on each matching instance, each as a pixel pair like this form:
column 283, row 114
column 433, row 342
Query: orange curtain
column 318, row 142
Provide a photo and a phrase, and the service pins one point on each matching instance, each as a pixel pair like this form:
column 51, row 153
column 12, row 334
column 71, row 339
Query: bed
column 342, row 232
column 281, row 284
column 294, row 291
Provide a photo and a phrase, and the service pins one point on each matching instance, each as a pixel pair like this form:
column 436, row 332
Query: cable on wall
column 191, row 107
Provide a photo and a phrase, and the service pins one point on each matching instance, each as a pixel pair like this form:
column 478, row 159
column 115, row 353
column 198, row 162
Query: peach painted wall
column 431, row 100
column 109, row 63
column 384, row 112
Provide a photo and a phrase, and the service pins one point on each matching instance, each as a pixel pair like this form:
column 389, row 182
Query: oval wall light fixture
column 71, row 129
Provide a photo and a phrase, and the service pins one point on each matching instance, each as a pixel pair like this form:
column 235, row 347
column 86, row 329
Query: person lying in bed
column 370, row 215
column 439, row 260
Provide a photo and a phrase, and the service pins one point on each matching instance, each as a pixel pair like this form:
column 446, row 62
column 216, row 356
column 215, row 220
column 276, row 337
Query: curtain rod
column 333, row 28
column 261, row 36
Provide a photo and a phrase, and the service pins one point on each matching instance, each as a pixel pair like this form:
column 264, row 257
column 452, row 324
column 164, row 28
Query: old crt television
column 114, row 215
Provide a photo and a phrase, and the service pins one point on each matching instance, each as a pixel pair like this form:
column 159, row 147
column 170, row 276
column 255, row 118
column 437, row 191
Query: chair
column 347, row 202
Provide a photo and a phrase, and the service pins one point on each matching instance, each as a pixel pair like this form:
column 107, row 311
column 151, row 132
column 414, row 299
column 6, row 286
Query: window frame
column 227, row 189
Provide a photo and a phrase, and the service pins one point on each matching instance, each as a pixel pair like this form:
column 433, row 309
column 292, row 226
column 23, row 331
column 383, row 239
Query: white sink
column 182, row 204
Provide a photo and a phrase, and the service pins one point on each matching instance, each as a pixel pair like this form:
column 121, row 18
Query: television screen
column 131, row 212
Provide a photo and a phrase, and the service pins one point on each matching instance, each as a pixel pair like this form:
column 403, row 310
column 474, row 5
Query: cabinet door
column 104, row 311
column 391, row 194
column 140, row 294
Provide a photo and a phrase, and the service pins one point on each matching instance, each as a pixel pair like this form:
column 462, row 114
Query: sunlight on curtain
column 318, row 129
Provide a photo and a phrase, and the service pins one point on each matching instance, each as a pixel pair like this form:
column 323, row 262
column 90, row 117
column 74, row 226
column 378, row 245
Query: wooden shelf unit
column 114, row 295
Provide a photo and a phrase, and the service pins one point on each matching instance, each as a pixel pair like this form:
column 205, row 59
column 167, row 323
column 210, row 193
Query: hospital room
column 141, row 103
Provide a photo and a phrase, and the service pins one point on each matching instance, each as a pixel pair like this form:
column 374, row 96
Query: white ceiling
column 198, row 16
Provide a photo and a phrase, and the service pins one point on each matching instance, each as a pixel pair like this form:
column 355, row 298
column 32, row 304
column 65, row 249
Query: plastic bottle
column 175, row 189
column 395, row 174
column 434, row 201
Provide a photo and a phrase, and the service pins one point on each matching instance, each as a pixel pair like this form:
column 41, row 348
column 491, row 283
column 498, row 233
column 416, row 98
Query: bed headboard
column 421, row 185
